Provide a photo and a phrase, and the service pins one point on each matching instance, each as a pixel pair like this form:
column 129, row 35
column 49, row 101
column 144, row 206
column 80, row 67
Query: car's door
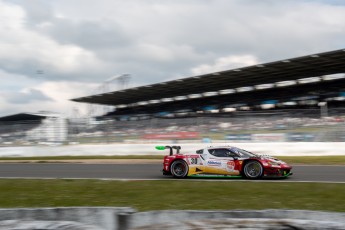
column 221, row 161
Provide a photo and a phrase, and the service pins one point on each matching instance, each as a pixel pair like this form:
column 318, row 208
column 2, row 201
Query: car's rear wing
column 170, row 148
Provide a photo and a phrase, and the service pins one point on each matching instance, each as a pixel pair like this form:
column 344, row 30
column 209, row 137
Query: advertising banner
column 172, row 135
column 238, row 137
column 303, row 137
column 269, row 137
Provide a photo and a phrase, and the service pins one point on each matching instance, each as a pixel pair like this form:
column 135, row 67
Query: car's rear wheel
column 179, row 169
column 253, row 170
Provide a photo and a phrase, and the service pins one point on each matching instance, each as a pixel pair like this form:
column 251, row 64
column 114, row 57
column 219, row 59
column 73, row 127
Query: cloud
column 90, row 35
column 63, row 91
column 25, row 97
column 225, row 63
column 156, row 40
column 23, row 51
column 48, row 96
column 73, row 45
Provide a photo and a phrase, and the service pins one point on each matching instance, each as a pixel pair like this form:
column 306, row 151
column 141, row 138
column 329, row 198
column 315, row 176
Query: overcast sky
column 52, row 51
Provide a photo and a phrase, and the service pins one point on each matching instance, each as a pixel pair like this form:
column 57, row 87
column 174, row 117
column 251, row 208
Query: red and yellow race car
column 222, row 161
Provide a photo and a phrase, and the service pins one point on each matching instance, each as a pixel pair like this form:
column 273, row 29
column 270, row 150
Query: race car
column 222, row 161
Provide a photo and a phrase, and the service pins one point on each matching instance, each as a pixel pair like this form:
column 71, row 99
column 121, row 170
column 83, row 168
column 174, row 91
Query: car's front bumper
column 277, row 172
column 166, row 172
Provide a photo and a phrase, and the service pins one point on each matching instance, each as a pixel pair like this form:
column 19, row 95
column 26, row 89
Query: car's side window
column 200, row 151
column 212, row 152
column 236, row 153
column 222, row 153
column 232, row 154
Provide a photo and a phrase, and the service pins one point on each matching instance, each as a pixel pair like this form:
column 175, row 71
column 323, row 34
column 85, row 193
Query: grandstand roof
column 273, row 72
column 22, row 117
column 29, row 116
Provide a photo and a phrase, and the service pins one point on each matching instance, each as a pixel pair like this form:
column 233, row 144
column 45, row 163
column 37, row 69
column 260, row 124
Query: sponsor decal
column 271, row 137
column 304, row 137
column 230, row 166
column 238, row 137
column 214, row 163
column 173, row 135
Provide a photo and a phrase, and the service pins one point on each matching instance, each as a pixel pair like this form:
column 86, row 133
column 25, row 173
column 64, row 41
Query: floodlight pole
column 104, row 87
column 122, row 80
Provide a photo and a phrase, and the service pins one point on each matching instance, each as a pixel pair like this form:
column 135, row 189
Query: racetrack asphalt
column 149, row 171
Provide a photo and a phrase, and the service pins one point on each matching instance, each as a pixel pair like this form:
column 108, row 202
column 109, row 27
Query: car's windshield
column 243, row 153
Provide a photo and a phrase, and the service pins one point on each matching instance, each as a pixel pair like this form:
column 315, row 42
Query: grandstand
column 298, row 99
column 302, row 82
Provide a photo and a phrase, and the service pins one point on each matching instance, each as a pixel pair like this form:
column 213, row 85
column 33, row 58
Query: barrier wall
column 260, row 219
column 92, row 218
column 275, row 149
column 107, row 218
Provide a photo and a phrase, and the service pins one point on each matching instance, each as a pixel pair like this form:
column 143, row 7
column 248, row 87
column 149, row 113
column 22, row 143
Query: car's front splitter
column 277, row 175
column 276, row 172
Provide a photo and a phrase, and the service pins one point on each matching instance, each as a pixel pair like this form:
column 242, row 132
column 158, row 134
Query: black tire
column 253, row 170
column 179, row 169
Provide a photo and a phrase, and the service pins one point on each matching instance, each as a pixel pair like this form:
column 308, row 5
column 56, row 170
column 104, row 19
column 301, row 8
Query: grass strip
column 314, row 160
column 293, row 160
column 183, row 194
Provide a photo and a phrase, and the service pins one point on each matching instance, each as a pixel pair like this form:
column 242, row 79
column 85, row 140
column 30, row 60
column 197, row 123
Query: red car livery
column 222, row 161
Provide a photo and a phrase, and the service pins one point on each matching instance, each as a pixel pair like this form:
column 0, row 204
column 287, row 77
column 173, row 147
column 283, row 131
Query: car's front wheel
column 179, row 169
column 253, row 170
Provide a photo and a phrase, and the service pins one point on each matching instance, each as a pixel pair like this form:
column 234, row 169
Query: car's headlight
column 273, row 163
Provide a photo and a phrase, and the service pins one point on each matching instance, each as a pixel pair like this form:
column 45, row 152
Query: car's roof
column 221, row 146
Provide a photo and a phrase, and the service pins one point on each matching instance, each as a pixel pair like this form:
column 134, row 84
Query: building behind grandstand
column 27, row 128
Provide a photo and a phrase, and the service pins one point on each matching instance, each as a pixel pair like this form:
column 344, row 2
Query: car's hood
column 272, row 159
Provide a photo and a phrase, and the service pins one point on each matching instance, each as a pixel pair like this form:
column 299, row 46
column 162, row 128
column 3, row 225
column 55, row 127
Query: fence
column 240, row 127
